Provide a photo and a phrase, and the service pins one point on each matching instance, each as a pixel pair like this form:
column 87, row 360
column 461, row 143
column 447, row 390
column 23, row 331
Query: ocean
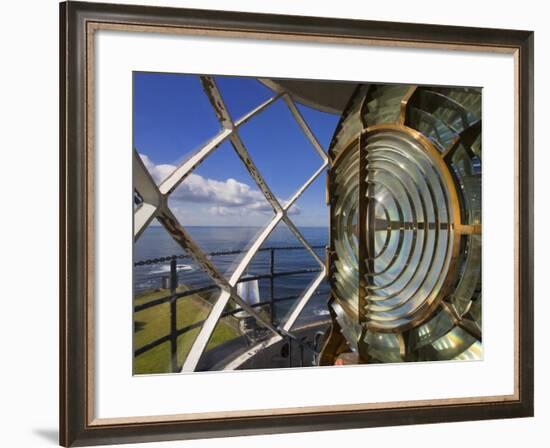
column 156, row 243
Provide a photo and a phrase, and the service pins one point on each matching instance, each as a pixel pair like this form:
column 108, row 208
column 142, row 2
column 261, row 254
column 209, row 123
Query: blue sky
column 173, row 117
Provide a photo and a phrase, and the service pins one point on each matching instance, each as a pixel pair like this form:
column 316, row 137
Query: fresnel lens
column 404, row 259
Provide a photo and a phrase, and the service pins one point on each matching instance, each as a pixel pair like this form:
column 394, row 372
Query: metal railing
column 174, row 296
column 155, row 205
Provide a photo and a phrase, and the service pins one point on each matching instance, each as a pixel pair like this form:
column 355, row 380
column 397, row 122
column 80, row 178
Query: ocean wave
column 165, row 269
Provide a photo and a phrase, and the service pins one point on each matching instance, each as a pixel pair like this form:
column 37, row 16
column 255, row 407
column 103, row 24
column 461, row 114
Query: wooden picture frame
column 78, row 22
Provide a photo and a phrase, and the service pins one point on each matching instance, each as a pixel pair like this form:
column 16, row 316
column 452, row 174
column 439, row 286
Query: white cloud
column 228, row 197
column 220, row 210
column 158, row 172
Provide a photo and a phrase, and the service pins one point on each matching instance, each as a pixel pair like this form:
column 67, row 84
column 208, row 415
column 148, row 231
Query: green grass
column 154, row 322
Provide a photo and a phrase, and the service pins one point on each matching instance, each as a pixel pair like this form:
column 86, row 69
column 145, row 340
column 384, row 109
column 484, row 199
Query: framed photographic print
column 277, row 223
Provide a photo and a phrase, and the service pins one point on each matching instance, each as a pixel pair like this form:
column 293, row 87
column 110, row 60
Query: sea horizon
column 156, row 243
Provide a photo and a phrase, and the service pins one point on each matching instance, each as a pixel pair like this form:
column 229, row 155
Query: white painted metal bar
column 142, row 217
column 251, row 252
column 256, row 111
column 224, row 117
column 255, row 173
column 298, row 193
column 208, row 327
column 216, row 100
column 177, row 232
column 286, row 328
column 250, row 310
column 251, row 352
column 300, row 304
column 302, row 240
column 272, row 85
column 182, row 171
column 180, row 235
column 307, row 131
column 156, row 206
column 205, row 333
column 243, row 264
column 143, row 181
column 147, row 189
column 221, row 111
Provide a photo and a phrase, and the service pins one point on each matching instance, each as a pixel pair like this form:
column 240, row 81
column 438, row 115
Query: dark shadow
column 48, row 434
column 139, row 326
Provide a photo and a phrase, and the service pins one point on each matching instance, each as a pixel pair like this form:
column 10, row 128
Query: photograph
column 284, row 223
column 274, row 224
column 278, row 223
